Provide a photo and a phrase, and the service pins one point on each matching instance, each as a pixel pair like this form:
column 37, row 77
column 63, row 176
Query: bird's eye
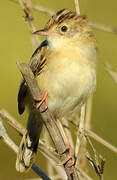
column 64, row 28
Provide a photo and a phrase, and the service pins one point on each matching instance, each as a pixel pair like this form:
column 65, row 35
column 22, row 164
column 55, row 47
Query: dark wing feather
column 44, row 43
column 36, row 64
column 21, row 94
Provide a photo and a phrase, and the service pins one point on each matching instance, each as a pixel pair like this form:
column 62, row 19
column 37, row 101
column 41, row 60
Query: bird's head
column 65, row 27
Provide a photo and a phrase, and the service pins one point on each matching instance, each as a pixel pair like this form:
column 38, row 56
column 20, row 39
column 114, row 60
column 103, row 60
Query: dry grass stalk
column 88, row 112
column 80, row 135
column 77, row 6
column 101, row 140
column 112, row 72
column 43, row 9
column 27, row 7
column 103, row 27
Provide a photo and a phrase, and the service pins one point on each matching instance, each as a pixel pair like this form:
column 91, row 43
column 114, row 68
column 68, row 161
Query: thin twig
column 50, row 167
column 112, row 72
column 11, row 121
column 80, row 134
column 27, row 7
column 103, row 27
column 77, row 6
column 100, row 140
column 86, row 177
column 39, row 8
column 88, row 112
column 68, row 132
column 43, row 9
column 87, row 125
column 6, row 139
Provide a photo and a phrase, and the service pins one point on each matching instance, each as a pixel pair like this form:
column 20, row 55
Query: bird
column 64, row 66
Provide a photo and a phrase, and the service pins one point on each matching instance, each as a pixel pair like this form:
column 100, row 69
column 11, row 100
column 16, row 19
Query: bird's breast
column 68, row 80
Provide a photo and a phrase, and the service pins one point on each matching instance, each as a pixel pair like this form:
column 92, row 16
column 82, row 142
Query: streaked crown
column 69, row 23
column 63, row 16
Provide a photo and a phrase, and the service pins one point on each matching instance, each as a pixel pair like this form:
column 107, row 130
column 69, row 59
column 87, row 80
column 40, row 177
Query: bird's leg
column 42, row 100
column 68, row 146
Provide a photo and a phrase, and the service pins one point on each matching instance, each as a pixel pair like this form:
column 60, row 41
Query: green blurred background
column 15, row 45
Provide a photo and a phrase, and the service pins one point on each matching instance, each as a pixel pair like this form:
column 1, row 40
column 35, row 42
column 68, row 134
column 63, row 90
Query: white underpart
column 55, row 43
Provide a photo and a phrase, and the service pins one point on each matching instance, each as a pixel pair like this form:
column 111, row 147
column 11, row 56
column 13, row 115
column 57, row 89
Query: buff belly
column 68, row 89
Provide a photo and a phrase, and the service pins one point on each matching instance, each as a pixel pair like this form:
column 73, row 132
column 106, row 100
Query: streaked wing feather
column 36, row 64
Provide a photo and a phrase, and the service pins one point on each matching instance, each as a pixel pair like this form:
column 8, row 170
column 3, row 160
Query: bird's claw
column 69, row 157
column 42, row 100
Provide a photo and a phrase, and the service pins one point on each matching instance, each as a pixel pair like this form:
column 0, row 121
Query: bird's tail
column 29, row 143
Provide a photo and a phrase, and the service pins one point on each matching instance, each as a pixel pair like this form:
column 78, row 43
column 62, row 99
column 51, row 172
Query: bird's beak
column 43, row 32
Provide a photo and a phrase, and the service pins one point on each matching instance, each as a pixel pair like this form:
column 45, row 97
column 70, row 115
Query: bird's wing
column 37, row 63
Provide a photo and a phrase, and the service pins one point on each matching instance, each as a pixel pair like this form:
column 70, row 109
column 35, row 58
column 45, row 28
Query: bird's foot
column 70, row 156
column 42, row 100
